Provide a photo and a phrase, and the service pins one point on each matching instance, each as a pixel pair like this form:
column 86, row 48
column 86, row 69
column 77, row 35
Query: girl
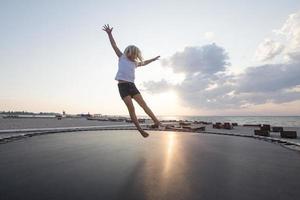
column 128, row 61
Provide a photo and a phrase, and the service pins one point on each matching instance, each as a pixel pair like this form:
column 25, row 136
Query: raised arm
column 146, row 62
column 108, row 30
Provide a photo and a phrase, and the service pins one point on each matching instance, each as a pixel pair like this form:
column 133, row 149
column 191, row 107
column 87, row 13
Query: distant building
column 84, row 115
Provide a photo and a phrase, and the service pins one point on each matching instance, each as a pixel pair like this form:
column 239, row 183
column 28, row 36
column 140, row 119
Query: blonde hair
column 134, row 52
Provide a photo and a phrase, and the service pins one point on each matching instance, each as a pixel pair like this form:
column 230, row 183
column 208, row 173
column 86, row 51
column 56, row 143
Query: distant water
column 287, row 121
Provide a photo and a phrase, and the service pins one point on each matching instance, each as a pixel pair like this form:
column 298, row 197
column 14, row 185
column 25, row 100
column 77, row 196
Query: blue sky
column 55, row 57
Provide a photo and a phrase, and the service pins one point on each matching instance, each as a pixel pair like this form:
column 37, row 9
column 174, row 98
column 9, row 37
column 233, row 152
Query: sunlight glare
column 169, row 153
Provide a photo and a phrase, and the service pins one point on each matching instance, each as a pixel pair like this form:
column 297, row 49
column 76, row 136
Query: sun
column 162, row 103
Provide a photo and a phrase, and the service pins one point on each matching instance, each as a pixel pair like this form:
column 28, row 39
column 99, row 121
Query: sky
column 217, row 57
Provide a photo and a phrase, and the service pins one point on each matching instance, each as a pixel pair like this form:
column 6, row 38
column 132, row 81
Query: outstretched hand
column 107, row 29
column 156, row 58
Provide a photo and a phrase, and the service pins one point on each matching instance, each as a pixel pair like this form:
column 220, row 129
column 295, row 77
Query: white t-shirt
column 126, row 69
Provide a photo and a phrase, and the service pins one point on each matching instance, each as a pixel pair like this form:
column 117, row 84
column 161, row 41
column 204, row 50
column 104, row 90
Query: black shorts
column 127, row 88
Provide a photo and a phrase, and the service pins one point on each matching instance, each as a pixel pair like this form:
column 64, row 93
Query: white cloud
column 268, row 49
column 208, row 84
column 291, row 32
column 291, row 29
column 257, row 85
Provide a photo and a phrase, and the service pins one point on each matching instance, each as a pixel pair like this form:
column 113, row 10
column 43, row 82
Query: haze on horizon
column 217, row 57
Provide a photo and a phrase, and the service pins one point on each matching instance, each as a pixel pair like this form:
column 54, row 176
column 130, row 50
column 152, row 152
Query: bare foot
column 156, row 125
column 144, row 133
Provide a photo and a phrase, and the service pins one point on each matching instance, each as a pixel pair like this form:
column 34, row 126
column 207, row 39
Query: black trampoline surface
column 167, row 165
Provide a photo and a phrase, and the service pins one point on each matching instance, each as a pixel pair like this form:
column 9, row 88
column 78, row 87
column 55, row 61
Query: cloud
column 291, row 29
column 208, row 83
column 157, row 86
column 285, row 42
column 257, row 85
column 268, row 49
column 197, row 92
column 207, row 59
column 271, row 77
column 291, row 32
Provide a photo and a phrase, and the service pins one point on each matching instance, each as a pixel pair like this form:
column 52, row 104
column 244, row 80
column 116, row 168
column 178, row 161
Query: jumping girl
column 128, row 61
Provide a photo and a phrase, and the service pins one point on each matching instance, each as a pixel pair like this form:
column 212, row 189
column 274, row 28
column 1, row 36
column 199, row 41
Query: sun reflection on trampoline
column 170, row 151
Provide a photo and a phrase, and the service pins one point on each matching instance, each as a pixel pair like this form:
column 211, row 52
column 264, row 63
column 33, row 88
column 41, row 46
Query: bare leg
column 129, row 104
column 139, row 99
